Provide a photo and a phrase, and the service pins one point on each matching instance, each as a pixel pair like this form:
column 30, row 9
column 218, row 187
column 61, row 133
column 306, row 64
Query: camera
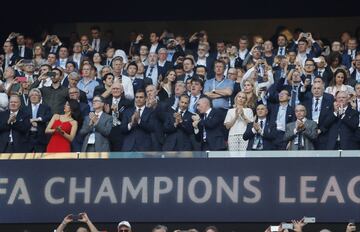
column 199, row 34
column 51, row 74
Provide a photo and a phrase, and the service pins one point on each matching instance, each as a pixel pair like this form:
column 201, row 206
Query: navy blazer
column 345, row 127
column 19, row 130
column 137, row 138
column 327, row 108
column 28, row 54
column 268, row 136
column 44, row 112
column 213, row 125
column 274, row 109
column 178, row 138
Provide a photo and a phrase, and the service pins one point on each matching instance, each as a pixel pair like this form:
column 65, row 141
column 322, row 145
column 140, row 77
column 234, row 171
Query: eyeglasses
column 73, row 92
column 97, row 101
column 123, row 230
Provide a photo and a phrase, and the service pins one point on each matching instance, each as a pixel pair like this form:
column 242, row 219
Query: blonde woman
column 250, row 91
column 236, row 121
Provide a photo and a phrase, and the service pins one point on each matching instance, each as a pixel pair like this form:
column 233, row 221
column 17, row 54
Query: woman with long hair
column 338, row 83
column 63, row 127
column 167, row 85
column 250, row 91
column 236, row 121
column 38, row 55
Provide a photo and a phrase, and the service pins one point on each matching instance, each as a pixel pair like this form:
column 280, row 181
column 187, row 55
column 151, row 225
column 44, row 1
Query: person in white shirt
column 63, row 57
column 117, row 66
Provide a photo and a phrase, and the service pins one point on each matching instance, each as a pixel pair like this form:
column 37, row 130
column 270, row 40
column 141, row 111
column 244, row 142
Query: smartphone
column 51, row 74
column 288, row 226
column 21, row 79
column 274, row 228
column 75, row 217
column 309, row 219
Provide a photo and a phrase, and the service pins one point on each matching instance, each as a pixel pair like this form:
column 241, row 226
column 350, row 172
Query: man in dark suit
column 319, row 106
column 158, row 115
column 163, row 63
column 10, row 58
column 260, row 132
column 342, row 123
column 52, row 44
column 115, row 105
column 178, row 127
column 203, row 57
column 153, row 70
column 208, row 126
column 188, row 67
column 355, row 75
column 281, row 49
column 243, row 51
column 281, row 114
column 21, row 50
column 74, row 93
column 40, row 116
column 14, row 127
column 322, row 71
column 155, row 43
column 137, row 125
column 97, row 43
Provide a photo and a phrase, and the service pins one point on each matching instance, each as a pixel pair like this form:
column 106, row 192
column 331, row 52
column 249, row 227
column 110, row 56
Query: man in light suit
column 301, row 133
column 96, row 128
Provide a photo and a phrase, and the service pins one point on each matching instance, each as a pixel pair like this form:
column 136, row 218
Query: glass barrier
column 272, row 154
column 350, row 153
column 185, row 154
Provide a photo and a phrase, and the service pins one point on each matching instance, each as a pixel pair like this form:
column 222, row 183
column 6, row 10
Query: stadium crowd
column 125, row 226
column 293, row 92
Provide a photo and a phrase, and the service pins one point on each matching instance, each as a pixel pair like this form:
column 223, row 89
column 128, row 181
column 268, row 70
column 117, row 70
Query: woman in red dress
column 63, row 128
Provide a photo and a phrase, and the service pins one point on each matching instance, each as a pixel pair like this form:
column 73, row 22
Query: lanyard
column 217, row 85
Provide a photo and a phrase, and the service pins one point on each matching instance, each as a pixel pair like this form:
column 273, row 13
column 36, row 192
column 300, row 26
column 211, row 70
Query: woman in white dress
column 338, row 83
column 236, row 121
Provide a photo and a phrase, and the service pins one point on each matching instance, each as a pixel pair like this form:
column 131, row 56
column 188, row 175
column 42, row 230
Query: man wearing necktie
column 137, row 124
column 302, row 133
column 15, row 125
column 96, row 128
column 208, row 128
column 41, row 115
column 260, row 133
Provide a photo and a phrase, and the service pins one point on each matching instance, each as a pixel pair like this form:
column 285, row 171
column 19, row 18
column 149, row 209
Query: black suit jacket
column 345, row 127
column 268, row 137
column 28, row 54
column 178, row 138
column 326, row 108
column 137, row 138
column 44, row 112
column 12, row 61
column 213, row 125
column 122, row 105
column 19, row 130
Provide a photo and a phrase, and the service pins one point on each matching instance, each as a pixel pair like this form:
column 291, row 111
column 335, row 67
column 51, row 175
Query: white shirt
column 62, row 63
column 22, row 52
column 153, row 48
column 242, row 54
column 201, row 61
column 128, row 87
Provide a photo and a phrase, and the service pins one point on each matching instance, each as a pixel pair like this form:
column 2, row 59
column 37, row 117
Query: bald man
column 208, row 126
column 342, row 123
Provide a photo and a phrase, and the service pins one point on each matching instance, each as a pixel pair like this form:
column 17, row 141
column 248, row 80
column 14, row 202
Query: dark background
column 31, row 17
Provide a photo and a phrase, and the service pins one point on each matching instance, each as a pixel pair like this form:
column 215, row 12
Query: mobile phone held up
column 21, row 79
